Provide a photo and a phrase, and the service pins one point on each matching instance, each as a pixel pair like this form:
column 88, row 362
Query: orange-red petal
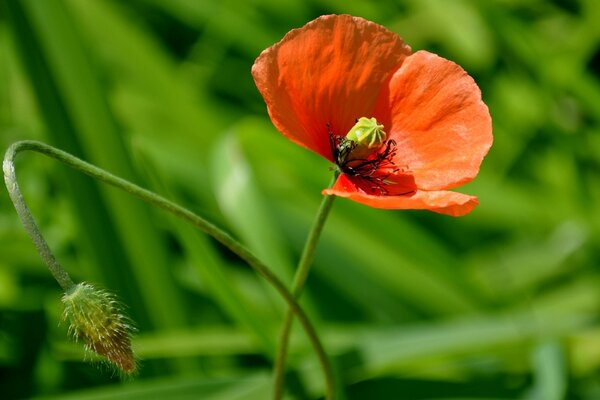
column 440, row 201
column 329, row 72
column 434, row 112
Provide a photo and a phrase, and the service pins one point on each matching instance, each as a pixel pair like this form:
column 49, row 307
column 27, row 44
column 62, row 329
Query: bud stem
column 154, row 199
column 10, row 178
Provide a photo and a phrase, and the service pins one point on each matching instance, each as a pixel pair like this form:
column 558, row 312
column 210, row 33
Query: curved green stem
column 10, row 178
column 308, row 255
column 159, row 201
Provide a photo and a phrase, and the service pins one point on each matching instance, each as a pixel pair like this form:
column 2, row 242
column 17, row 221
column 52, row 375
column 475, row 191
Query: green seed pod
column 367, row 135
column 95, row 317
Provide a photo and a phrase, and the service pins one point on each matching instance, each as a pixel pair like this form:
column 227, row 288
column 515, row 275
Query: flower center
column 365, row 136
column 365, row 153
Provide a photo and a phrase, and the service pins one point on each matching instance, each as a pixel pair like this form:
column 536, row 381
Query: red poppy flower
column 429, row 128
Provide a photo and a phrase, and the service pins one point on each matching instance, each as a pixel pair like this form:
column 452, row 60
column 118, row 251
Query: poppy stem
column 10, row 179
column 304, row 265
column 154, row 199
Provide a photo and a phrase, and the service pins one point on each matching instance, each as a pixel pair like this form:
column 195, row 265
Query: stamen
column 373, row 171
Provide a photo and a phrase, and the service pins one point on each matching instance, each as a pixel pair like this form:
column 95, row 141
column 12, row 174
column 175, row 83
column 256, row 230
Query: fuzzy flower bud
column 367, row 135
column 95, row 317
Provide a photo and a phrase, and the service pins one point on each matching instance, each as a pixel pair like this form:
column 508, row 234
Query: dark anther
column 368, row 170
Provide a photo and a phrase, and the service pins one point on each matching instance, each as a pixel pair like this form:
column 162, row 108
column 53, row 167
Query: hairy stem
column 10, row 179
column 308, row 255
column 152, row 198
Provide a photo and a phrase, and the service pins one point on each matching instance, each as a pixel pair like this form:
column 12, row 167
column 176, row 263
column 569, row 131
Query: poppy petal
column 325, row 75
column 434, row 112
column 440, row 201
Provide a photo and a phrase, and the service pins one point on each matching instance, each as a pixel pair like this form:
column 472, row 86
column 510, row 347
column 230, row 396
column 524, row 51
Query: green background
column 500, row 304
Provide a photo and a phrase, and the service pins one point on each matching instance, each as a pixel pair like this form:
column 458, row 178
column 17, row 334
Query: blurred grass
column 501, row 304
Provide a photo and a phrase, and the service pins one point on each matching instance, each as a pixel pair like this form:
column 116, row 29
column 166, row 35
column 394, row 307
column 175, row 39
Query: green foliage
column 500, row 304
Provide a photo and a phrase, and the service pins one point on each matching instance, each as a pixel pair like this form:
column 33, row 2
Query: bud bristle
column 95, row 317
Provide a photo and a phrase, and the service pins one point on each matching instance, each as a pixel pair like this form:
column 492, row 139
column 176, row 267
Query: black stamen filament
column 365, row 169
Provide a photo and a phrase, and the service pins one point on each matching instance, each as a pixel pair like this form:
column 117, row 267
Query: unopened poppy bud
column 367, row 135
column 95, row 317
